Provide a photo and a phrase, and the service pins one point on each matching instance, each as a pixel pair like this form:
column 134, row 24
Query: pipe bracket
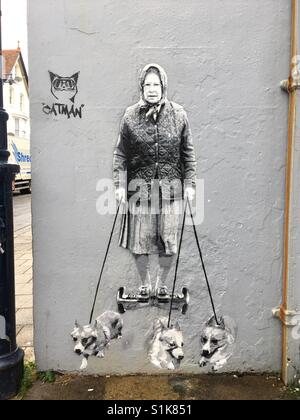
column 287, row 317
column 289, row 85
column 293, row 82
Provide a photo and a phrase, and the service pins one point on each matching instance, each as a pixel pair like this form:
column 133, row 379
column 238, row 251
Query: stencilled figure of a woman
column 154, row 160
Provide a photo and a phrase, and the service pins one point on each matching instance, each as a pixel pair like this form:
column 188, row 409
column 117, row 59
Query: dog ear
column 115, row 323
column 211, row 322
column 222, row 323
column 230, row 326
column 106, row 332
column 177, row 326
column 95, row 329
column 231, row 339
column 161, row 323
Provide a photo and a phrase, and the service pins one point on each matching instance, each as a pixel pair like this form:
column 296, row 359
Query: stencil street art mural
column 93, row 339
column 64, row 89
column 158, row 223
column 155, row 152
column 155, row 155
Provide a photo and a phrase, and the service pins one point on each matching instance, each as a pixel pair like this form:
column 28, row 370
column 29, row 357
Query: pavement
column 161, row 388
column 23, row 274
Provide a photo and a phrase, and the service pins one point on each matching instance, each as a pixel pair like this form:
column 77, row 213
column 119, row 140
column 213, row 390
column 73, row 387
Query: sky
column 14, row 26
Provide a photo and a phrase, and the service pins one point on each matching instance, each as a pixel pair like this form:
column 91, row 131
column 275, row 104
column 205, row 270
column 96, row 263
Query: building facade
column 225, row 61
column 16, row 103
column 16, row 94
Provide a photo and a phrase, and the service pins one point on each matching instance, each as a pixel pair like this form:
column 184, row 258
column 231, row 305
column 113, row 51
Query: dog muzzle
column 176, row 353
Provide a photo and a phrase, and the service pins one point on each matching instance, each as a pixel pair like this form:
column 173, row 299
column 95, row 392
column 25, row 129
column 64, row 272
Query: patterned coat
column 149, row 149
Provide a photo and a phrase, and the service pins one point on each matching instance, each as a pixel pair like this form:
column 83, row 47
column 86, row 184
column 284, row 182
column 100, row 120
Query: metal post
column 11, row 357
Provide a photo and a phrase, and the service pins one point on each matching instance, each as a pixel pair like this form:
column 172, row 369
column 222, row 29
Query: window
column 24, row 128
column 17, row 127
column 11, row 95
column 21, row 102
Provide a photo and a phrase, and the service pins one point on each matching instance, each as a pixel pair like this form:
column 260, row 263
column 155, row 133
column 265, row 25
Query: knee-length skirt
column 144, row 231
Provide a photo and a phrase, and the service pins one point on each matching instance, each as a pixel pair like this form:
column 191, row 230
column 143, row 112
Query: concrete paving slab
column 24, row 302
column 25, row 289
column 24, row 317
column 23, row 278
column 25, row 336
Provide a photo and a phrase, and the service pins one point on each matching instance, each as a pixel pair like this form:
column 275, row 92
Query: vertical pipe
column 288, row 189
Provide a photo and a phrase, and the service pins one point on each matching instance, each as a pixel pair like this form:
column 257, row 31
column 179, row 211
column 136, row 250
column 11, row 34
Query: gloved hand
column 189, row 193
column 120, row 195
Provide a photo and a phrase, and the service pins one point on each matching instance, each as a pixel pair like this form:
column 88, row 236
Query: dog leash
column 203, row 265
column 177, row 263
column 104, row 261
column 202, row 261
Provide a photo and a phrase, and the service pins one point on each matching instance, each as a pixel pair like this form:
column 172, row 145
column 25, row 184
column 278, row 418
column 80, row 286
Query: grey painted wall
column 224, row 61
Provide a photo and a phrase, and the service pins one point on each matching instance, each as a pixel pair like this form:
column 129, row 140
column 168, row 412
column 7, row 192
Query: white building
column 16, row 103
column 16, row 94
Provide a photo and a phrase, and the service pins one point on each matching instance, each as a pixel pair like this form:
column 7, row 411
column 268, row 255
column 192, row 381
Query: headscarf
column 153, row 109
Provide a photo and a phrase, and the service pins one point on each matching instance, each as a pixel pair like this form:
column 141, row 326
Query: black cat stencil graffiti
column 62, row 109
column 64, row 88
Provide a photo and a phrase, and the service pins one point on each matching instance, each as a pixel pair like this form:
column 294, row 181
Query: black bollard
column 11, row 357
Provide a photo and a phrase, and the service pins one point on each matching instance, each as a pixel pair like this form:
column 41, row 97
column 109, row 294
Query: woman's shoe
column 162, row 293
column 144, row 292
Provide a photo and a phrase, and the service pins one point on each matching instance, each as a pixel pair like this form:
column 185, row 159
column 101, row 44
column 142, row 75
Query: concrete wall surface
column 224, row 62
